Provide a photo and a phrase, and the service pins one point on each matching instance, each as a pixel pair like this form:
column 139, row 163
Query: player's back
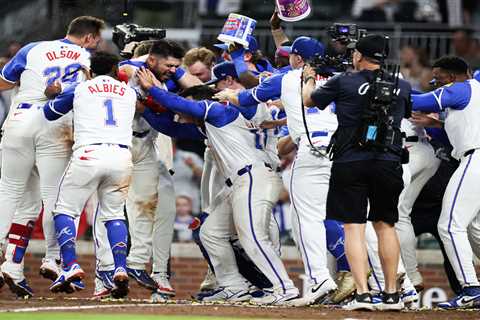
column 39, row 64
column 103, row 112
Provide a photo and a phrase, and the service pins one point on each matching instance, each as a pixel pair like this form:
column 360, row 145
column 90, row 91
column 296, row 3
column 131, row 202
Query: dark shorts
column 355, row 184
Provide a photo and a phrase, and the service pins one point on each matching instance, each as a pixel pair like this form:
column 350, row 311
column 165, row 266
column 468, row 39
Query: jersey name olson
column 69, row 54
column 107, row 87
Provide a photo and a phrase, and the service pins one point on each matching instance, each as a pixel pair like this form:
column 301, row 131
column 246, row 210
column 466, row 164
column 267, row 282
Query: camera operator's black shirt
column 349, row 93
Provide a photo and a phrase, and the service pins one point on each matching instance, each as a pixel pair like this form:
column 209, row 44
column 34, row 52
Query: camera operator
column 366, row 162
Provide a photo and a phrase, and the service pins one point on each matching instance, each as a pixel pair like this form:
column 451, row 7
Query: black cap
column 373, row 46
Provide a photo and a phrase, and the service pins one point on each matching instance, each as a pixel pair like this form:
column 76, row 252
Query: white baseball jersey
column 317, row 120
column 142, row 129
column 39, row 64
column 265, row 140
column 460, row 100
column 103, row 108
column 233, row 144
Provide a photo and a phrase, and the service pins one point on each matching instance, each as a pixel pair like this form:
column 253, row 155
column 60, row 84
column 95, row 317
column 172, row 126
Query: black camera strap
column 316, row 151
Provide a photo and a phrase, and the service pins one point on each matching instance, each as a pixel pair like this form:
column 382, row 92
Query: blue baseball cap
column 221, row 71
column 252, row 45
column 306, row 47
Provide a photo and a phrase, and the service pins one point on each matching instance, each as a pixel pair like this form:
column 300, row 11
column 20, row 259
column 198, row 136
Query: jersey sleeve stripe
column 254, row 95
column 207, row 108
column 5, row 78
column 52, row 108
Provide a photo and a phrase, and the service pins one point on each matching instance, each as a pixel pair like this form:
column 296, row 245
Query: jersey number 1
column 109, row 120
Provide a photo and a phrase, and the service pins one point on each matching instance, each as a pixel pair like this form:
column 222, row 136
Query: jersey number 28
column 67, row 74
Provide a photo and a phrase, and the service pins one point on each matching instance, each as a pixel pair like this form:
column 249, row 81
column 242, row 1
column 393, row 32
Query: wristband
column 308, row 79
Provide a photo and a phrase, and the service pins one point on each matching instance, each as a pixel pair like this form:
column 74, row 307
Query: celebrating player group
column 352, row 189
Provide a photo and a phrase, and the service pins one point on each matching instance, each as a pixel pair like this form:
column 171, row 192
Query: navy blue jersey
column 349, row 92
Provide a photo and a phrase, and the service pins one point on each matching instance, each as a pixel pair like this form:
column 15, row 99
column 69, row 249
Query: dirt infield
column 186, row 308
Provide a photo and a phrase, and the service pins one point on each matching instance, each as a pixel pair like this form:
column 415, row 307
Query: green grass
column 92, row 316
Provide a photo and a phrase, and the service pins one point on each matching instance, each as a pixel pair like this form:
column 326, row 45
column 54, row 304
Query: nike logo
column 466, row 300
column 89, row 150
column 16, row 113
column 318, row 287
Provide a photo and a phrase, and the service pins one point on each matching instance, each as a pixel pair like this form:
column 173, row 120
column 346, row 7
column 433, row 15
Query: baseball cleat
column 62, row 283
column 315, row 293
column 277, row 298
column 106, row 277
column 76, row 285
column 226, row 294
column 158, row 297
column 50, row 269
column 100, row 290
column 163, row 284
column 390, row 302
column 120, row 280
column 360, row 302
column 346, row 287
column 469, row 298
column 19, row 287
column 410, row 296
column 210, row 282
column 142, row 278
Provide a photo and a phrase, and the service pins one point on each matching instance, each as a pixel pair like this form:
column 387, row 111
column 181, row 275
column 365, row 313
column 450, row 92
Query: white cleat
column 315, row 293
column 277, row 298
column 210, row 282
column 163, row 284
column 228, row 295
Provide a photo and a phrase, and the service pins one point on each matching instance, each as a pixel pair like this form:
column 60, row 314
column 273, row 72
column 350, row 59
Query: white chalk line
column 128, row 305
column 95, row 306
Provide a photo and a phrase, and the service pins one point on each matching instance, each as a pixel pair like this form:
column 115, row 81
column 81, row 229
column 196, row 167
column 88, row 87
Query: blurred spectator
column 188, row 173
column 370, row 10
column 427, row 11
column 415, row 69
column 184, row 217
column 466, row 46
column 199, row 62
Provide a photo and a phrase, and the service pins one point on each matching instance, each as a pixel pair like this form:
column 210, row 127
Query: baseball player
column 101, row 161
column 460, row 202
column 151, row 198
column 216, row 232
column 302, row 49
column 422, row 166
column 31, row 143
column 229, row 134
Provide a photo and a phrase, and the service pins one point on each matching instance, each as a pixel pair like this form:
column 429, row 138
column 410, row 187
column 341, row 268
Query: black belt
column 412, row 139
column 469, row 152
column 246, row 169
column 141, row 134
column 117, row 144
